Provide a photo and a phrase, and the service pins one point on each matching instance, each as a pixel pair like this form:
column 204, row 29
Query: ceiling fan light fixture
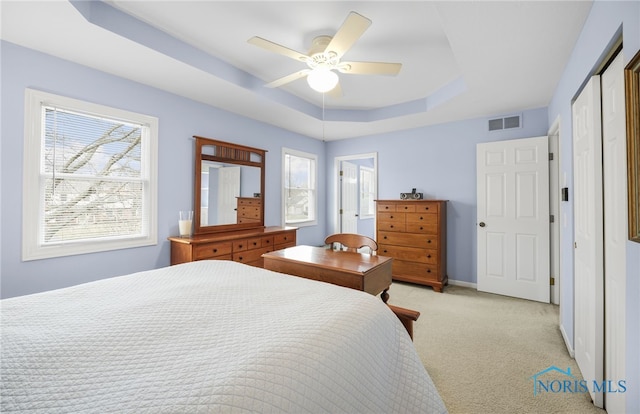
column 322, row 80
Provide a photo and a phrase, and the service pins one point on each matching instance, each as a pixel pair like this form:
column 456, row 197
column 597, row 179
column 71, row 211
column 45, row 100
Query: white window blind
column 93, row 178
column 299, row 179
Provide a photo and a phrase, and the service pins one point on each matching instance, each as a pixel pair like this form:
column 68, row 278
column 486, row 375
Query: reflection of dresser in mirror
column 249, row 210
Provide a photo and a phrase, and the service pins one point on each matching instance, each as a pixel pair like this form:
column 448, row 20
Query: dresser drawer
column 392, row 226
column 254, row 243
column 422, row 217
column 249, row 202
column 428, row 207
column 406, row 207
column 422, row 228
column 386, row 207
column 392, row 216
column 251, row 256
column 211, row 250
column 413, row 254
column 266, row 241
column 285, row 238
column 415, row 270
column 408, row 239
column 249, row 212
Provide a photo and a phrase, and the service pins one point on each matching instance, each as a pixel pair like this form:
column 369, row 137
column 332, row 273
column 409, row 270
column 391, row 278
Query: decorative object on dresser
column 229, row 208
column 413, row 232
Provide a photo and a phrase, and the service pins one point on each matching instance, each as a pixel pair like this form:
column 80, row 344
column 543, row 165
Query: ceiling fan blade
column 370, row 68
column 274, row 47
column 289, row 78
column 353, row 27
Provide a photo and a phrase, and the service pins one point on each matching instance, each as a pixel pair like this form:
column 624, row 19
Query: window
column 367, row 192
column 89, row 177
column 299, row 195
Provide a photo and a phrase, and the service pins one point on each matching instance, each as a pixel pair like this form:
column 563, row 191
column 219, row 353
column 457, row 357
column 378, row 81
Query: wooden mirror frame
column 632, row 97
column 228, row 153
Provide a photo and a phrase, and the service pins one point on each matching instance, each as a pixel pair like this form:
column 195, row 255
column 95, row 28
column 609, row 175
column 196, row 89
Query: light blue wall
column 605, row 22
column 179, row 120
column 439, row 161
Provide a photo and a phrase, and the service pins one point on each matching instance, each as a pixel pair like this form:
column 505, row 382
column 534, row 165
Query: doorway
column 357, row 188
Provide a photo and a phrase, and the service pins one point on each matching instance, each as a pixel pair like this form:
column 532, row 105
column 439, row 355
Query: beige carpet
column 482, row 350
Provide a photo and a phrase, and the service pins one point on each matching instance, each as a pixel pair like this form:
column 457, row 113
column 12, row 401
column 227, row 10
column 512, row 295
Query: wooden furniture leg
column 406, row 316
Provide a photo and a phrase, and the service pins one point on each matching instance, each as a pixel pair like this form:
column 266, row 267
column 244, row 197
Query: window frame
column 33, row 202
column 314, row 158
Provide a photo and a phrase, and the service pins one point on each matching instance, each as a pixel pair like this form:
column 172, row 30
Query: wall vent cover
column 508, row 122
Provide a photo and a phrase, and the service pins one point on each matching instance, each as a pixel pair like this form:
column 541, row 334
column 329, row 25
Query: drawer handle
column 426, row 208
column 391, row 216
column 391, row 226
column 255, row 244
column 386, row 207
column 406, row 207
column 428, row 256
column 385, row 237
column 421, row 228
column 285, row 237
column 421, row 218
column 428, row 270
column 385, row 250
column 428, row 241
column 240, row 258
column 268, row 241
column 215, row 250
column 240, row 246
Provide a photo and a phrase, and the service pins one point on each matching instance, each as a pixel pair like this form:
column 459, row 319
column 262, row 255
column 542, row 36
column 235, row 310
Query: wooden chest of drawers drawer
column 414, row 272
column 414, row 254
column 413, row 232
column 408, row 239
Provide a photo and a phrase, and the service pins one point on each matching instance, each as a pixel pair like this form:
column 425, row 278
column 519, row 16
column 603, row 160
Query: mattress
column 207, row 337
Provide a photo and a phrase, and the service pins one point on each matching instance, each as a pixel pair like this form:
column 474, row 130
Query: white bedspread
column 204, row 337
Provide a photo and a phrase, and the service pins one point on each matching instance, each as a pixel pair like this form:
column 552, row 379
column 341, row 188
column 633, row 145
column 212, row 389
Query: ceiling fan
column 324, row 56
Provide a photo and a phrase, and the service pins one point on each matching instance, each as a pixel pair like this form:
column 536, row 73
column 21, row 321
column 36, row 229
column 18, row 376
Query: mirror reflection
column 225, row 191
column 229, row 186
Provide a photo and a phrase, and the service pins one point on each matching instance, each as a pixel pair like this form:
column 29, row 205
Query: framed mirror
column 229, row 186
column 632, row 98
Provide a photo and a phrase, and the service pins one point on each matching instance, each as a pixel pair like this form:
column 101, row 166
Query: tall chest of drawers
column 414, row 233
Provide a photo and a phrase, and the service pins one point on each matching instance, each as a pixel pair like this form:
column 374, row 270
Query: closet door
column 588, row 235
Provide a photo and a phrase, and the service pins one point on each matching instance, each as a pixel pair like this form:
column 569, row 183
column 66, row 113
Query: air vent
column 508, row 122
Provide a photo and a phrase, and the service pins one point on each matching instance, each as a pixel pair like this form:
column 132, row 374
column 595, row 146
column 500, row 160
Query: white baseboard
column 572, row 353
column 463, row 284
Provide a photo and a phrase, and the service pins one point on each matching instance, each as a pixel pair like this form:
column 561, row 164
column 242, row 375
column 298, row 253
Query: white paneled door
column 588, row 235
column 349, row 198
column 614, row 153
column 513, row 218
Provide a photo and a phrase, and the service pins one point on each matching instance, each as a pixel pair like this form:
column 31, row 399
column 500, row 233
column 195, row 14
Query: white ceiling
column 461, row 60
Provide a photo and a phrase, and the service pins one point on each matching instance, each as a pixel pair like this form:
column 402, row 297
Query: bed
column 205, row 337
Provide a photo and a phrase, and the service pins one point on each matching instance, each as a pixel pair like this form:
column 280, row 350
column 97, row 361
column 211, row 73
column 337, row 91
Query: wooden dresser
column 245, row 246
column 414, row 233
column 249, row 210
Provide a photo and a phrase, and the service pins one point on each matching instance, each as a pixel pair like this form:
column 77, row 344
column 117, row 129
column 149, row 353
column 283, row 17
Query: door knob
column 482, row 224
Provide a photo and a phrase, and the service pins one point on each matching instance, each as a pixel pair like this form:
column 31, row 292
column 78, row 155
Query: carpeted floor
column 482, row 351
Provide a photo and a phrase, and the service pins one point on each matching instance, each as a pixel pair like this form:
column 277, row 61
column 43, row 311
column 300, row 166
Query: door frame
column 338, row 185
column 555, row 233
